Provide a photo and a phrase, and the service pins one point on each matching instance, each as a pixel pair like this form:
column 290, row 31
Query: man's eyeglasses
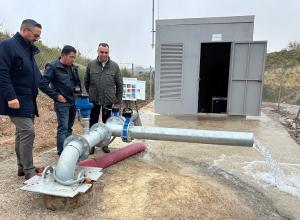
column 37, row 36
column 105, row 52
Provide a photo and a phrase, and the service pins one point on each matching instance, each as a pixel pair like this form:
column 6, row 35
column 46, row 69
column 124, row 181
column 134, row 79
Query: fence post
column 150, row 82
column 280, row 88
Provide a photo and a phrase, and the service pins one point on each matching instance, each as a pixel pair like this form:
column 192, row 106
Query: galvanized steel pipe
column 186, row 135
column 78, row 147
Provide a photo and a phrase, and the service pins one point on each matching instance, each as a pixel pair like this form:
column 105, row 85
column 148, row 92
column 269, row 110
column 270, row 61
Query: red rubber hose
column 114, row 157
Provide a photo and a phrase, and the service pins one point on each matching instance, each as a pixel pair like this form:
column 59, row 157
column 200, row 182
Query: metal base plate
column 48, row 186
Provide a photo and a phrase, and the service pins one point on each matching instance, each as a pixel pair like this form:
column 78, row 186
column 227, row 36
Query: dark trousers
column 65, row 120
column 95, row 112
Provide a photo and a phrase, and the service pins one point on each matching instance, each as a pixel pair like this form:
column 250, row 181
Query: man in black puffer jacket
column 19, row 81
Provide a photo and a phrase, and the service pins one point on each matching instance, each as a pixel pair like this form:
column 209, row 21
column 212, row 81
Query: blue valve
column 115, row 111
column 125, row 129
column 127, row 114
column 84, row 106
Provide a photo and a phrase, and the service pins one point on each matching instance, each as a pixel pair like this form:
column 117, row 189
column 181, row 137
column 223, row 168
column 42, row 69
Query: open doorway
column 214, row 73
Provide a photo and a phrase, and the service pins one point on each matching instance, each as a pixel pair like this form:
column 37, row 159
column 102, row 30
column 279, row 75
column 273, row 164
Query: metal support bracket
column 46, row 184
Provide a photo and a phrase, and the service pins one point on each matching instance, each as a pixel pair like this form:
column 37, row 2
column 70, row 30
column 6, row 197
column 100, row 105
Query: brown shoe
column 29, row 175
column 20, row 171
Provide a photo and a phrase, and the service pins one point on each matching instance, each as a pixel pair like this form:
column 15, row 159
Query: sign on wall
column 216, row 37
column 133, row 89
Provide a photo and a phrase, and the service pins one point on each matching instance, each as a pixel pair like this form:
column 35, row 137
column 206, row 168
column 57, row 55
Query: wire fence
column 140, row 71
column 282, row 85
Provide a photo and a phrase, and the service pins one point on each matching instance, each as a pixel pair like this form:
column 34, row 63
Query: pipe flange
column 116, row 120
column 85, row 144
column 69, row 139
column 131, row 124
column 102, row 129
column 86, row 148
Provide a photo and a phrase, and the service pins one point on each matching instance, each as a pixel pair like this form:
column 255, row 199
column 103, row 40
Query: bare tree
column 293, row 45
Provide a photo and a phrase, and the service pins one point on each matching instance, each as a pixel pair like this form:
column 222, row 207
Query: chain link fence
column 48, row 55
column 282, row 85
column 132, row 70
column 141, row 72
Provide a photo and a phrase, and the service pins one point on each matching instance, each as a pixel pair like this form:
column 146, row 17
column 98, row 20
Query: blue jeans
column 65, row 119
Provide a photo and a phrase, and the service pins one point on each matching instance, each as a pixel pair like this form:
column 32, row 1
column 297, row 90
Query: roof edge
column 208, row 20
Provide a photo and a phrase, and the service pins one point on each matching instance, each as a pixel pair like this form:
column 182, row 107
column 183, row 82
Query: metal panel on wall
column 170, row 79
column 246, row 78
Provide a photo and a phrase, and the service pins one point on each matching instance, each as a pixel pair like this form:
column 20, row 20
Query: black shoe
column 105, row 149
column 20, row 171
column 92, row 150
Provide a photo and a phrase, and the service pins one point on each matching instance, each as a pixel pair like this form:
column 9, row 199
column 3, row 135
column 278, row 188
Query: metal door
column 246, row 77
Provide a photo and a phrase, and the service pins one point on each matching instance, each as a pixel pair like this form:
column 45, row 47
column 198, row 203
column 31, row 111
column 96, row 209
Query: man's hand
column 60, row 98
column 14, row 104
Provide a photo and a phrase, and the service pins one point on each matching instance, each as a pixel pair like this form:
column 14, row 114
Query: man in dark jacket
column 61, row 83
column 19, row 80
column 104, row 84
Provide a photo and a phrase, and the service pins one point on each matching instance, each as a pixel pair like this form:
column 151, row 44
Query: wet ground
column 288, row 116
column 182, row 180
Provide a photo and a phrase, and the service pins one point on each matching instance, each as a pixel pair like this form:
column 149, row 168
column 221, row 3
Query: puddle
column 284, row 176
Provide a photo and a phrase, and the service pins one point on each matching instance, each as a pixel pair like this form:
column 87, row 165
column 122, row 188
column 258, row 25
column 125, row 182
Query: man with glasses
column 19, row 81
column 104, row 84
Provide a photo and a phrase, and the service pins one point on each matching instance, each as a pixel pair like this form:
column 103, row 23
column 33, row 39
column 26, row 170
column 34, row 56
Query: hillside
column 283, row 68
column 48, row 55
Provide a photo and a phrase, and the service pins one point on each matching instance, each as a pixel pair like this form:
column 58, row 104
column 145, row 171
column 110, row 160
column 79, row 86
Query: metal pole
column 298, row 114
column 157, row 9
column 280, row 90
column 150, row 82
column 132, row 66
column 186, row 135
column 296, row 119
column 152, row 24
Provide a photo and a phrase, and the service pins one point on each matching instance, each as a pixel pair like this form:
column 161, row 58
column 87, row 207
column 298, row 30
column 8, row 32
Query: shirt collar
column 104, row 63
column 26, row 43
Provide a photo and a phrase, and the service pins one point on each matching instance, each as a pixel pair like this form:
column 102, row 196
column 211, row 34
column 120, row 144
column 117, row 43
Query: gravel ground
column 286, row 116
column 143, row 187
